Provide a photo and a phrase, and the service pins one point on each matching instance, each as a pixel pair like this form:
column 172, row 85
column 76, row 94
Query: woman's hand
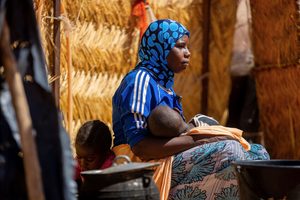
column 204, row 139
column 157, row 147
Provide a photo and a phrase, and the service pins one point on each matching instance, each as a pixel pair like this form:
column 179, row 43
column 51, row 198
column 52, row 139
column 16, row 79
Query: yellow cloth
column 162, row 174
column 218, row 130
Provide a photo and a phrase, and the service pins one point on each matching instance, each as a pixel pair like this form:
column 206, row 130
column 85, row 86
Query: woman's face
column 179, row 56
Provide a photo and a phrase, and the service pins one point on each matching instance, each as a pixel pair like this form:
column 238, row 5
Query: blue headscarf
column 157, row 41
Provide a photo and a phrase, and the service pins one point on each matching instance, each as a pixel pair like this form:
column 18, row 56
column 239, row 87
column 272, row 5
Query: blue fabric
column 148, row 85
column 157, row 41
column 133, row 101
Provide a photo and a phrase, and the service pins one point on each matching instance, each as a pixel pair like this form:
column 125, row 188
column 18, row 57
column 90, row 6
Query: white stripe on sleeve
column 135, row 90
column 145, row 93
column 141, row 82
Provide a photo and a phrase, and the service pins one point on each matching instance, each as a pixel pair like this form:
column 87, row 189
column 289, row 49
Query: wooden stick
column 70, row 100
column 56, row 52
column 13, row 78
column 67, row 30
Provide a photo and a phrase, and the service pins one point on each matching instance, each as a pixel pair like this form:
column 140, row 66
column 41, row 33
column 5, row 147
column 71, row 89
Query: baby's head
column 164, row 121
column 92, row 144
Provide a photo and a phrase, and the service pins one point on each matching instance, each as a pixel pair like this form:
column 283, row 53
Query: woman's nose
column 187, row 53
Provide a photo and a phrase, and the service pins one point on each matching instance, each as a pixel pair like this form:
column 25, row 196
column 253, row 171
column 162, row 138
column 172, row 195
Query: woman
column 163, row 52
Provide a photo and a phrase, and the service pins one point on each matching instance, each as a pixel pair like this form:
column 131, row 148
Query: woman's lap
column 204, row 172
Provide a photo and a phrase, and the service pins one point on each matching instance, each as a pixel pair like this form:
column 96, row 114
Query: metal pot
column 272, row 179
column 124, row 181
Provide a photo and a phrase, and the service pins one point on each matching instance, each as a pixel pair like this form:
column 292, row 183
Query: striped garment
column 138, row 94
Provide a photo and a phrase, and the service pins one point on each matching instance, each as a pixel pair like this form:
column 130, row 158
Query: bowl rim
column 274, row 163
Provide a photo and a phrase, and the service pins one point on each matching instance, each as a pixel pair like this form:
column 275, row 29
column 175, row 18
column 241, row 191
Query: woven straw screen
column 277, row 74
column 104, row 43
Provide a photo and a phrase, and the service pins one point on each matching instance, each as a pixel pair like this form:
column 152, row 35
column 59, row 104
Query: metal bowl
column 97, row 179
column 276, row 179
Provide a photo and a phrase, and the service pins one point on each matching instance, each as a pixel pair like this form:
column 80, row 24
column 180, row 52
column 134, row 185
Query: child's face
column 87, row 158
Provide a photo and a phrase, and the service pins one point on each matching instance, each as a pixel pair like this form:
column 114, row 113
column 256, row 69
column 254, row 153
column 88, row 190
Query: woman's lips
column 185, row 63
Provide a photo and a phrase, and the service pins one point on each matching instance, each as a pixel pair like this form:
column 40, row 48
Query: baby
column 166, row 122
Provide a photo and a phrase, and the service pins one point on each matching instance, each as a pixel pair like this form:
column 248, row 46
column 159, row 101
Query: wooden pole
column 14, row 81
column 70, row 69
column 205, row 55
column 39, row 10
column 67, row 31
column 56, row 52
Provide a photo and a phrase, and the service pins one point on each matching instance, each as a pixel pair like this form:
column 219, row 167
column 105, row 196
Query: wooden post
column 68, row 33
column 205, row 55
column 16, row 88
column 70, row 69
column 56, row 52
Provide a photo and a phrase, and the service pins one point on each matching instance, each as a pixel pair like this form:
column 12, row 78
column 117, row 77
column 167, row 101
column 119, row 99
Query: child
column 92, row 146
column 166, row 122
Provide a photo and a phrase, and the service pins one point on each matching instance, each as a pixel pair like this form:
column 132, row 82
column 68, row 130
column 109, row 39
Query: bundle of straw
column 92, row 94
column 105, row 49
column 99, row 12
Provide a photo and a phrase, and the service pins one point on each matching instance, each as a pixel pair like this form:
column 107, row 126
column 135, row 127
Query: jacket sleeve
column 138, row 99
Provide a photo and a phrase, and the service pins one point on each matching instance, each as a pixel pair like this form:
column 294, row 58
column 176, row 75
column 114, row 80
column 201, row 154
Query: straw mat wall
column 277, row 75
column 278, row 90
column 223, row 20
column 104, row 43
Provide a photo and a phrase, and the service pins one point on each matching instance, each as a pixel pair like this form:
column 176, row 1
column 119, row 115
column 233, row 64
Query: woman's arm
column 155, row 148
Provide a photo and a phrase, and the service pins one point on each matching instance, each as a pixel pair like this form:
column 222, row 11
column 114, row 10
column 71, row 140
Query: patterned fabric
column 204, row 172
column 160, row 37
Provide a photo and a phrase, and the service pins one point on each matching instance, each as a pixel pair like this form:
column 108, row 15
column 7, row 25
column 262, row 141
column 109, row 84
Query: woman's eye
column 183, row 47
column 180, row 45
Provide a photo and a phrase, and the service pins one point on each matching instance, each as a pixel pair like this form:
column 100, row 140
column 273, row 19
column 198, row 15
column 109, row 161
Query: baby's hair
column 94, row 134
